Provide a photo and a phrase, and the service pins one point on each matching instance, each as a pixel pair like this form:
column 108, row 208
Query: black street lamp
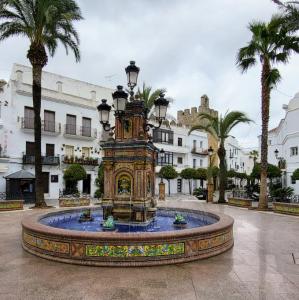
column 104, row 112
column 161, row 105
column 132, row 72
column 120, row 100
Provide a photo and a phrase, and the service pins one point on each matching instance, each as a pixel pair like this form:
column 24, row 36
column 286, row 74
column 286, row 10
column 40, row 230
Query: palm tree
column 291, row 13
column 271, row 43
column 149, row 96
column 254, row 154
column 220, row 127
column 44, row 23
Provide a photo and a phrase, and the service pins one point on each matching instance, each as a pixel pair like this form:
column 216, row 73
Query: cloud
column 188, row 47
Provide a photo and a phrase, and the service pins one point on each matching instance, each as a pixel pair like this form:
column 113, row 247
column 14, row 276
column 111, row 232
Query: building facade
column 71, row 134
column 70, row 129
column 181, row 151
column 285, row 138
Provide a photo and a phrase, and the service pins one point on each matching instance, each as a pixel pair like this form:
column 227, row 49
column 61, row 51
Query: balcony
column 82, row 132
column 89, row 161
column 199, row 151
column 46, row 160
column 48, row 127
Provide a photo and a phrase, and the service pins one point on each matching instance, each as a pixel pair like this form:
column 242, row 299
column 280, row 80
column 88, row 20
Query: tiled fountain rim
column 31, row 223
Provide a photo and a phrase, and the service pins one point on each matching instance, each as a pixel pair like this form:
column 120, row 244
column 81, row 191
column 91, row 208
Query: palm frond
column 206, row 128
column 274, row 78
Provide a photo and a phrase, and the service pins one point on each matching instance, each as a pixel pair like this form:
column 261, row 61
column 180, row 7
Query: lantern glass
column 104, row 116
column 132, row 74
column 161, row 105
column 119, row 99
column 162, row 153
column 104, row 111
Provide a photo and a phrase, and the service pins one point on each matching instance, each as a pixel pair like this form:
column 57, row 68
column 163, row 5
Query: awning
column 22, row 174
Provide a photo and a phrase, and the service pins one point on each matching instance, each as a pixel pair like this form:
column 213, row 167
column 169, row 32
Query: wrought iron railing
column 47, row 126
column 46, row 160
column 80, row 160
column 83, row 131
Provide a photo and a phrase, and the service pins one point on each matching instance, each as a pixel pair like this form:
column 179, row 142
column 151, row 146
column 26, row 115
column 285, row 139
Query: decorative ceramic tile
column 135, row 251
column 52, row 246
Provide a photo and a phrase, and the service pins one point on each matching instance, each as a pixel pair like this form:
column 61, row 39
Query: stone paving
column 260, row 266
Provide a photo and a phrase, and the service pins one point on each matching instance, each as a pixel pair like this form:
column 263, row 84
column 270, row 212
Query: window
column 69, row 151
column 163, row 136
column 180, row 160
column 85, row 152
column 28, row 117
column 49, row 121
column 201, row 144
column 194, row 145
column 194, row 163
column 167, row 160
column 70, row 127
column 293, row 180
column 294, row 151
column 50, row 150
column 270, row 142
column 30, row 149
column 46, row 182
column 86, row 127
column 180, row 142
column 200, row 162
column 179, row 185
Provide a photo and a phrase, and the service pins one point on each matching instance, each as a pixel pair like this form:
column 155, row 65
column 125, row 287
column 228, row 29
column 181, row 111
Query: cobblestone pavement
column 260, row 266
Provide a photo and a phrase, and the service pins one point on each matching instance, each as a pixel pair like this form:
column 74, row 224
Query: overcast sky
column 186, row 46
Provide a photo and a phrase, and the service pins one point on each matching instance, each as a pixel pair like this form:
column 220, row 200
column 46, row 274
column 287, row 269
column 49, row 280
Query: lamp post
column 120, row 103
column 210, row 177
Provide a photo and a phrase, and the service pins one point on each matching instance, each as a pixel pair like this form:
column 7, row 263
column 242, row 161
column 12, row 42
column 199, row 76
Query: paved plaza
column 260, row 266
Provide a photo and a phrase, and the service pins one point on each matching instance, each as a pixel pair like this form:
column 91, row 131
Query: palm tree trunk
column 222, row 173
column 36, row 92
column 38, row 58
column 263, row 200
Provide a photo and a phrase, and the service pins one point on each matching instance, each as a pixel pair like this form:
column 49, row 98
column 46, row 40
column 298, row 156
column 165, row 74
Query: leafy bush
column 296, row 174
column 189, row 174
column 201, row 173
column 200, row 193
column 272, row 171
column 168, row 173
column 72, row 175
column 282, row 194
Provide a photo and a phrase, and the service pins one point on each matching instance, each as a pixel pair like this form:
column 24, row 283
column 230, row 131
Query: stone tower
column 189, row 117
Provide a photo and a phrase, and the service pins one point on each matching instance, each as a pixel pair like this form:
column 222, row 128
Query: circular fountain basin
column 60, row 236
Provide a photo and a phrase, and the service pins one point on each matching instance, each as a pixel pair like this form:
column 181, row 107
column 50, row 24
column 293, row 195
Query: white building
column 181, row 151
column 70, row 128
column 237, row 158
column 285, row 138
column 71, row 133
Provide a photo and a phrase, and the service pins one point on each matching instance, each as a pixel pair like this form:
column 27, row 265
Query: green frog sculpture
column 109, row 224
column 179, row 221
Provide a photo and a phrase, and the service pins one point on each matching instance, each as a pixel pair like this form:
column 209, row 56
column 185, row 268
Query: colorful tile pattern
column 286, row 208
column 73, row 202
column 195, row 246
column 48, row 245
column 239, row 202
column 135, row 251
column 11, row 205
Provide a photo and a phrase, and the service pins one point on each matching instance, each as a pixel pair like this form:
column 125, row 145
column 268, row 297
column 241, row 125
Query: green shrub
column 296, row 174
column 72, row 175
